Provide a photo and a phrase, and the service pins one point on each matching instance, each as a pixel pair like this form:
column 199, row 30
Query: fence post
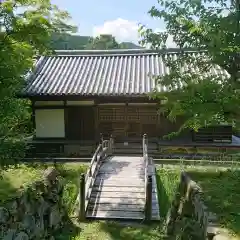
column 144, row 137
column 101, row 137
column 82, row 197
column 148, row 210
column 111, row 144
column 55, row 162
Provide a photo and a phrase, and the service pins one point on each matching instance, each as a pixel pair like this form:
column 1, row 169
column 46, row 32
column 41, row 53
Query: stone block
column 4, row 215
column 9, row 235
column 21, row 236
column 36, row 211
column 54, row 218
column 50, row 174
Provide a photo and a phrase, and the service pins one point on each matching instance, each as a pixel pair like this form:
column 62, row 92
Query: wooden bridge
column 119, row 187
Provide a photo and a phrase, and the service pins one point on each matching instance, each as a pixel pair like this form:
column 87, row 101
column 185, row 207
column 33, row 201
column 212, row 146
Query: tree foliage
column 65, row 41
column 129, row 45
column 212, row 29
column 25, row 29
column 104, row 41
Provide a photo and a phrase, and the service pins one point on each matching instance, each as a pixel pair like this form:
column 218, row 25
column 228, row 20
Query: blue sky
column 119, row 18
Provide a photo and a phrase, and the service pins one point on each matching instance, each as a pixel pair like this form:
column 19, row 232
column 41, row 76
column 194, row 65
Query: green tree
column 129, row 45
column 104, row 41
column 25, row 29
column 212, row 28
column 60, row 41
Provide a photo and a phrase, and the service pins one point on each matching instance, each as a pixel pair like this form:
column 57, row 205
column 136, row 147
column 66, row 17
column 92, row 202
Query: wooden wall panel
column 132, row 114
column 133, row 121
column 80, row 123
column 148, row 115
column 107, row 113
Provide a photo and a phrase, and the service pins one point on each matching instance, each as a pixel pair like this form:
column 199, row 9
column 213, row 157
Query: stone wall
column 37, row 211
column 189, row 207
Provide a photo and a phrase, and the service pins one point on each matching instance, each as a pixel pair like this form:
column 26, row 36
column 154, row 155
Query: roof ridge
column 122, row 51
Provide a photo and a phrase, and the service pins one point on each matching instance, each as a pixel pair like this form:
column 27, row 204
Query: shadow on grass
column 221, row 191
column 68, row 231
column 107, row 230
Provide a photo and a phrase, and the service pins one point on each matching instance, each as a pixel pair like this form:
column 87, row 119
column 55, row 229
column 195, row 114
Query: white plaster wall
column 50, row 123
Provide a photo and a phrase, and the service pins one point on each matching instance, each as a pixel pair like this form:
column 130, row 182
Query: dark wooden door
column 87, row 123
column 80, row 123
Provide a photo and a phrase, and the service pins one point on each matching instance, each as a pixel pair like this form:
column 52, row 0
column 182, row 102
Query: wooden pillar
column 33, row 114
column 82, row 197
column 145, row 140
column 148, row 210
column 96, row 122
column 111, row 143
column 101, row 137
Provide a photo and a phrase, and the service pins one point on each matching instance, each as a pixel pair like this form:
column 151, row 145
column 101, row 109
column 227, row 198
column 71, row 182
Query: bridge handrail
column 104, row 149
column 148, row 180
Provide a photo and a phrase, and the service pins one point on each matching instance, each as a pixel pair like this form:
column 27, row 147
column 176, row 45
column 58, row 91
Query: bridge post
column 148, row 210
column 101, row 137
column 111, row 144
column 82, row 198
column 145, row 139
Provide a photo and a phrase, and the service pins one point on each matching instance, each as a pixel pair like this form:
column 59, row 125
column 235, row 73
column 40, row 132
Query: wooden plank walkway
column 119, row 190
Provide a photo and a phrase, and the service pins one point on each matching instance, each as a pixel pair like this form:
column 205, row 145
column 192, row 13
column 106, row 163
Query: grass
column 167, row 182
column 102, row 230
column 221, row 188
column 16, row 177
column 221, row 192
column 222, row 195
column 71, row 173
column 20, row 176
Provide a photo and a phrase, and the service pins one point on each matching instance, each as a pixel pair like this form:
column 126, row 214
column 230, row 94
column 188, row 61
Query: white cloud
column 122, row 29
column 125, row 30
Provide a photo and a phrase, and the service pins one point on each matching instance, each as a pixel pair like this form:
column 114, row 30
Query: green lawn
column 101, row 230
column 221, row 189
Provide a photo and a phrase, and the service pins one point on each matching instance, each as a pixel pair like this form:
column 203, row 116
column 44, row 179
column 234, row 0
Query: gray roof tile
column 106, row 73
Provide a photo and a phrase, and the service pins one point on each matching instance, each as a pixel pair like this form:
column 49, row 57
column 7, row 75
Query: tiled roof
column 109, row 72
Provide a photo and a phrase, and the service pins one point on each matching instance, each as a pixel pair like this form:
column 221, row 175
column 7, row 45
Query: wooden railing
column 104, row 149
column 148, row 180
